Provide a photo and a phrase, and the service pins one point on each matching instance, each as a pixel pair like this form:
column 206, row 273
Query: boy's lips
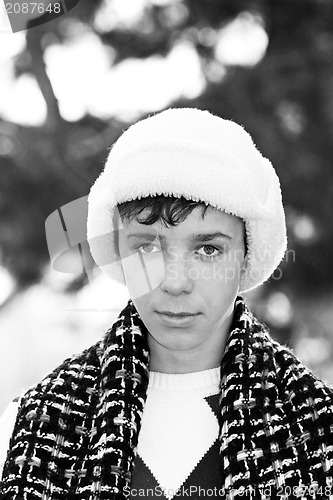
column 177, row 313
column 182, row 318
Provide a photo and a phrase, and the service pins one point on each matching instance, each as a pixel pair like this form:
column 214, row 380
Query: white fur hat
column 192, row 153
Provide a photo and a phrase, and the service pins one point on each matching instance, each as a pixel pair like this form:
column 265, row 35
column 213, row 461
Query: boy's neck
column 171, row 361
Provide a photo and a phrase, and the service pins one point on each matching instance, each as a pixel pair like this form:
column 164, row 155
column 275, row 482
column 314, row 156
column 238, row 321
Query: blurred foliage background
column 267, row 64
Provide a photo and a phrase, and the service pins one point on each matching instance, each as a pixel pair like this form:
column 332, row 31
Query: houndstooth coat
column 76, row 432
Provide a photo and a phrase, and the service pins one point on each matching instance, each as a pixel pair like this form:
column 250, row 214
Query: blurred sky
column 82, row 75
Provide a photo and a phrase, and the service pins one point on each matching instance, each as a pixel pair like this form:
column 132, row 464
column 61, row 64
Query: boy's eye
column 208, row 251
column 147, row 248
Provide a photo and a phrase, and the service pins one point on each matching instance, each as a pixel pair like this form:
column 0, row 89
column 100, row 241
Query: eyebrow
column 210, row 236
column 195, row 237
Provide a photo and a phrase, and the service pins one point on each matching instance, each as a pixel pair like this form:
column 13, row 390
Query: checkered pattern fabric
column 276, row 419
column 76, row 432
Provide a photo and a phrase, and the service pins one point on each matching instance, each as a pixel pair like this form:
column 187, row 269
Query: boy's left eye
column 209, row 251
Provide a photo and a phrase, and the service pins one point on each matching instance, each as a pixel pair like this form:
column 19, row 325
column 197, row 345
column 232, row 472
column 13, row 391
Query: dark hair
column 169, row 209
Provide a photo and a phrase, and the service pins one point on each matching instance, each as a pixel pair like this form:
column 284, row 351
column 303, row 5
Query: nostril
column 176, row 279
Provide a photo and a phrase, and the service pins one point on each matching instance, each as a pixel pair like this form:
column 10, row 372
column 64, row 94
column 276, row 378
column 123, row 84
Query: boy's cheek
column 142, row 274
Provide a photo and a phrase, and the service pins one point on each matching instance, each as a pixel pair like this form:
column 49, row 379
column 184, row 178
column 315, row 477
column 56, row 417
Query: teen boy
column 186, row 394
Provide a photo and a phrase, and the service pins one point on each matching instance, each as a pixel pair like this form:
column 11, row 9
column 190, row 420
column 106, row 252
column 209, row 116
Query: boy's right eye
column 147, row 248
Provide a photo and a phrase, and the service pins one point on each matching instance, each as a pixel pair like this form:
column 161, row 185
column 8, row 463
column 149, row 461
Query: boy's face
column 184, row 280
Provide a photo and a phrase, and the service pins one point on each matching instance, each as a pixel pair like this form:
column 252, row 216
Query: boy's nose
column 177, row 277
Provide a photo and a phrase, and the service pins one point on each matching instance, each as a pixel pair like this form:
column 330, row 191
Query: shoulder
column 7, row 424
column 61, row 398
column 293, row 377
column 73, row 384
column 72, row 372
